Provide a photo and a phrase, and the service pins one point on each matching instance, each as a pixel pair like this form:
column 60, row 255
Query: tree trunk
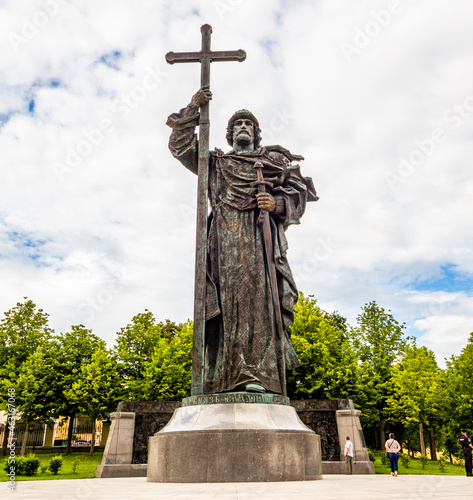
column 376, row 438
column 450, row 457
column 382, row 436
column 92, row 442
column 6, row 435
column 433, row 451
column 69, row 433
column 25, row 439
column 421, row 437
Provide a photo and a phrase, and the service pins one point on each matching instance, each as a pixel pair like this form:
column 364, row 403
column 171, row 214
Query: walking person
column 466, row 445
column 392, row 449
column 349, row 456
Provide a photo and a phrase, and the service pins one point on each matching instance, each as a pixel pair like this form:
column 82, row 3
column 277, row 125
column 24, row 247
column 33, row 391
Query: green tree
column 458, row 391
column 34, row 397
column 167, row 375
column 329, row 366
column 71, row 351
column 134, row 346
column 450, row 434
column 379, row 342
column 97, row 388
column 22, row 330
column 414, row 397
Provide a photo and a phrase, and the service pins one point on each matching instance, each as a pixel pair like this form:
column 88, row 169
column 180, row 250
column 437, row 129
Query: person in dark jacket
column 466, row 445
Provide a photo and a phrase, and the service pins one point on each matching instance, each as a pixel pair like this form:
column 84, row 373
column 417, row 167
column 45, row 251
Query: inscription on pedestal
column 236, row 397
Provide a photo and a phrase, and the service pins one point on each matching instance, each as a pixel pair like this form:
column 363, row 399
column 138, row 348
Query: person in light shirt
column 349, row 456
column 392, row 449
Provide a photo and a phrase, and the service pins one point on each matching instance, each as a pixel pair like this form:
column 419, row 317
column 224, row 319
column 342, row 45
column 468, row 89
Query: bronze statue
column 255, row 194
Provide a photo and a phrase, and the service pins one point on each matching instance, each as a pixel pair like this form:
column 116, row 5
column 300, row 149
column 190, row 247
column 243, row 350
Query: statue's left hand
column 266, row 202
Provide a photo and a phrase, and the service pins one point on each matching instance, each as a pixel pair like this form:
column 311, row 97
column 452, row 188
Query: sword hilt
column 261, row 184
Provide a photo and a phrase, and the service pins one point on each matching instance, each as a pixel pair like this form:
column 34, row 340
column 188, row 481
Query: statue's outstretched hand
column 266, row 202
column 201, row 97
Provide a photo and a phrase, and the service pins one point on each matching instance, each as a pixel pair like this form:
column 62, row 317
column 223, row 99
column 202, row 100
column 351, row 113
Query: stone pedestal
column 348, row 424
column 105, row 433
column 127, row 453
column 117, row 458
column 234, row 442
column 49, row 436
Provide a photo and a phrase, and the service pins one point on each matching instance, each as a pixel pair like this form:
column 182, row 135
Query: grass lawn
column 415, row 467
column 87, row 467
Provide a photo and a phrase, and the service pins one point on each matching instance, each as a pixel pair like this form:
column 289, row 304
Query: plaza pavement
column 331, row 487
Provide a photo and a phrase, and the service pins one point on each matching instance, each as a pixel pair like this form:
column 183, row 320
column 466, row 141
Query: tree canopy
column 329, row 366
column 397, row 384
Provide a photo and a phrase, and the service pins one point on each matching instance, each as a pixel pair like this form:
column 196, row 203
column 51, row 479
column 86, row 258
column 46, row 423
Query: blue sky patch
column 111, row 59
column 4, row 119
column 31, row 248
column 29, row 96
column 40, row 82
column 279, row 18
column 270, row 47
column 447, row 279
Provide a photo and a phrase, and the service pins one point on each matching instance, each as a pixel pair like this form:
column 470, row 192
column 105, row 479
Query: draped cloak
column 242, row 341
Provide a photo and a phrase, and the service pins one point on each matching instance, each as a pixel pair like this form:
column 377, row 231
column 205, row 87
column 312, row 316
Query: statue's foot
column 254, row 388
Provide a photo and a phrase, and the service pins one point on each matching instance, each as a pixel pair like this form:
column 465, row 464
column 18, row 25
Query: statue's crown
column 243, row 113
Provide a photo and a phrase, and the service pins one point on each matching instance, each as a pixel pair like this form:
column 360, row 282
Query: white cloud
column 128, row 206
column 446, row 335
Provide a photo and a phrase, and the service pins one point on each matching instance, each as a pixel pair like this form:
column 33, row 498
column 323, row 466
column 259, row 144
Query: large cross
column 204, row 57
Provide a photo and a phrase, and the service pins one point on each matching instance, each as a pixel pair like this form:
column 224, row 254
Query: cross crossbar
column 221, row 55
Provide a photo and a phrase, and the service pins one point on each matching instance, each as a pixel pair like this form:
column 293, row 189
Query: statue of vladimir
column 245, row 349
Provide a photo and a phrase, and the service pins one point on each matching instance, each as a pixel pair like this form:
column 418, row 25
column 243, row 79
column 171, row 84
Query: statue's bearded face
column 243, row 132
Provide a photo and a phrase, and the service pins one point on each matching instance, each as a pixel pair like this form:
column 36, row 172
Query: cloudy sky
column 97, row 220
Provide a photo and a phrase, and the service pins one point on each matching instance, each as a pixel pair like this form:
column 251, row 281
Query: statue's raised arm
column 183, row 142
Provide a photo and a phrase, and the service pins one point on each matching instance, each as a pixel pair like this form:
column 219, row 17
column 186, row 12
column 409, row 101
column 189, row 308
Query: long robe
column 242, row 341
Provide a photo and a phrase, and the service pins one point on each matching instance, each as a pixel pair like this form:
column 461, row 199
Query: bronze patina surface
column 246, row 305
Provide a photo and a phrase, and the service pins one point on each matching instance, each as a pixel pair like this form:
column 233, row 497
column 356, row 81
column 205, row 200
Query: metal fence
column 82, row 430
column 35, row 434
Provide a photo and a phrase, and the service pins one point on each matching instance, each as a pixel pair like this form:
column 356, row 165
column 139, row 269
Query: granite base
column 122, row 470
column 234, row 442
column 340, row 468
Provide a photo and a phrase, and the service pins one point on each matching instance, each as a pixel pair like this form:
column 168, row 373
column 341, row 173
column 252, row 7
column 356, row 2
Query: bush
column 371, row 456
column 423, row 460
column 75, row 463
column 405, row 459
column 44, row 469
column 55, row 464
column 384, row 459
column 11, row 463
column 442, row 461
column 23, row 466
